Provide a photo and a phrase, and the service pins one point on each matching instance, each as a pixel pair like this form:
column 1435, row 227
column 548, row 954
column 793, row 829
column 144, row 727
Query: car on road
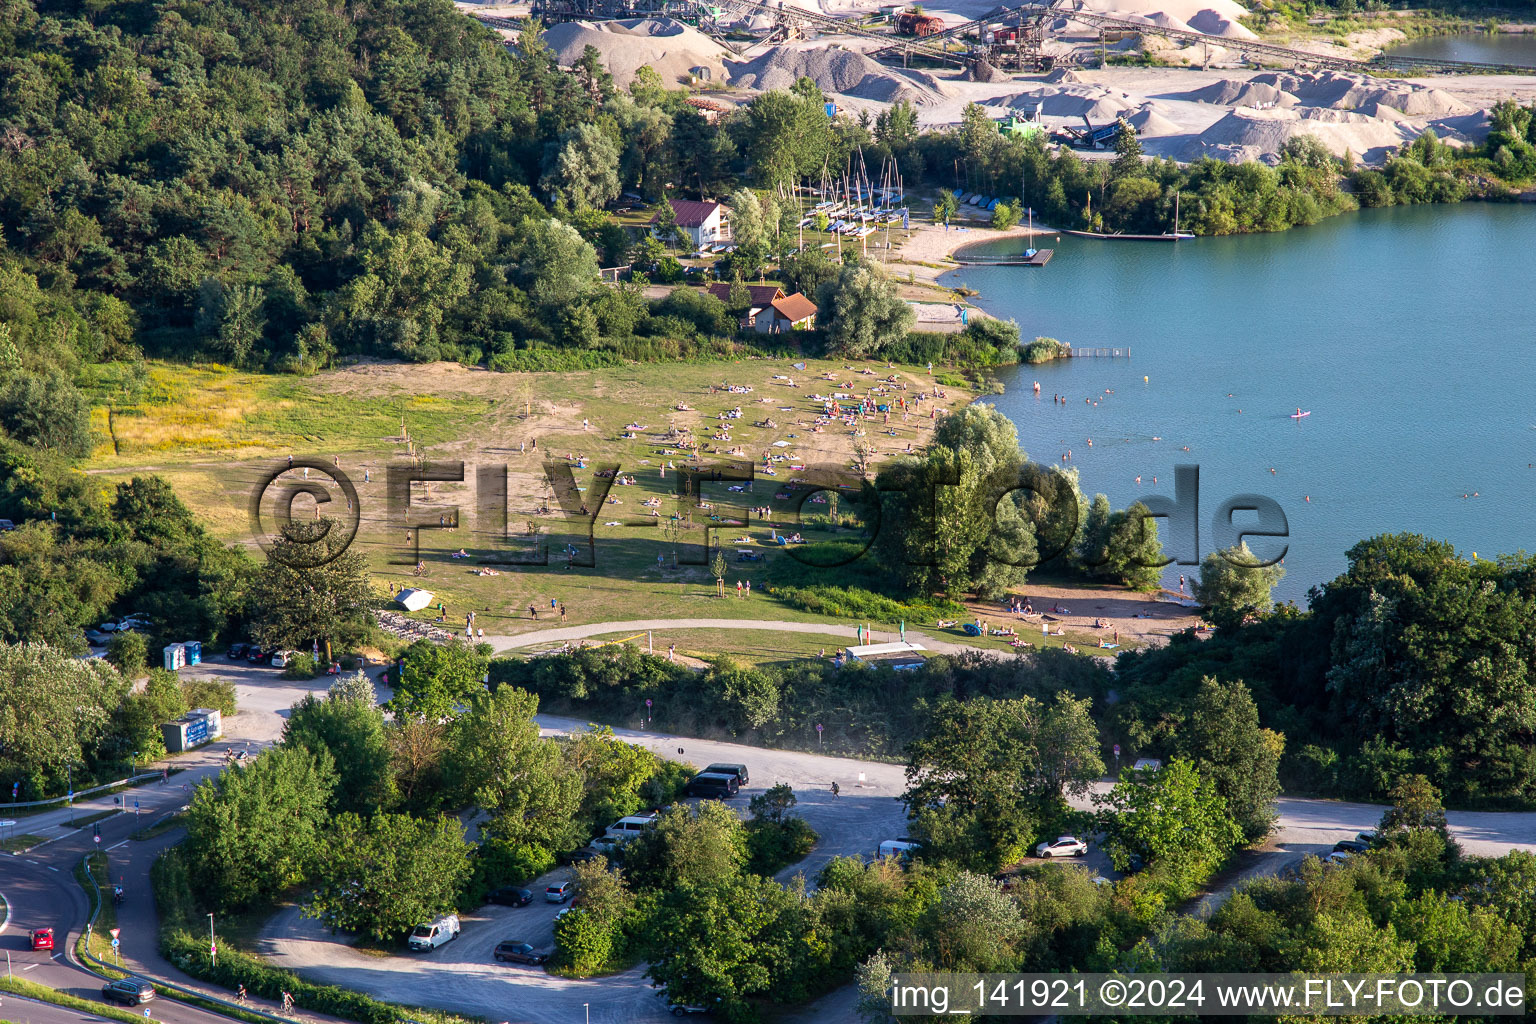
column 560, row 892
column 518, row 953
column 511, row 896
column 738, row 770
column 128, row 991
column 713, row 784
column 1351, row 846
column 42, row 938
column 237, row 651
column 1062, row 846
column 435, row 933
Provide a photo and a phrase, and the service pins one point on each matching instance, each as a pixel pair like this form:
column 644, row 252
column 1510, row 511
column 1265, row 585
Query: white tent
column 412, row 599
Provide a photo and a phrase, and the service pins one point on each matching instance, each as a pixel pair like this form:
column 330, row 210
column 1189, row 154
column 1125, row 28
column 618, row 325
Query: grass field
column 217, row 434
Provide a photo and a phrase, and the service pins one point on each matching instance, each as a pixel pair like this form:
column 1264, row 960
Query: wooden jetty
column 1172, row 236
column 1039, row 258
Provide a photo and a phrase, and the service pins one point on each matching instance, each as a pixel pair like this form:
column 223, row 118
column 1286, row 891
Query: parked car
column 255, row 653
column 560, row 892
column 237, row 650
column 1368, row 837
column 630, row 826
column 1338, row 857
column 280, row 659
column 738, row 770
column 1062, row 846
column 128, row 991
column 680, row 1009
column 42, row 938
column 511, row 896
column 435, row 933
column 710, row 784
column 108, row 627
column 593, row 852
column 96, row 637
column 519, row 953
column 902, row 849
column 1149, row 764
column 1350, row 846
column 134, row 622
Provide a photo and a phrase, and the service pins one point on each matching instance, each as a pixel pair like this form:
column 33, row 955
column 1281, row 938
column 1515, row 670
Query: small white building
column 899, row 654
column 704, row 223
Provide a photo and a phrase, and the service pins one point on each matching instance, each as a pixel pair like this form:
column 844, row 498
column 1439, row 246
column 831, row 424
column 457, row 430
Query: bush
column 300, row 666
column 774, row 845
column 129, row 652
column 498, row 863
column 550, row 360
column 583, row 945
column 210, row 693
column 855, row 603
column 1043, row 350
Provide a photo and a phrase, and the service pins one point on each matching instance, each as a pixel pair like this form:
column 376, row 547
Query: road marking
column 51, row 867
column 54, row 956
column 31, row 967
column 123, row 843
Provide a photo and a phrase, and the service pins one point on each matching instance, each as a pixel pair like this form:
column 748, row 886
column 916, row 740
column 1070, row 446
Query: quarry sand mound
column 1147, row 121
column 1059, row 75
column 834, row 70
column 1261, row 134
column 1092, row 101
column 1340, row 91
column 1213, row 23
column 1238, row 92
column 668, row 46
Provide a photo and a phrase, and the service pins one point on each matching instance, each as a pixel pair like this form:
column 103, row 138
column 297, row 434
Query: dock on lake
column 1039, row 258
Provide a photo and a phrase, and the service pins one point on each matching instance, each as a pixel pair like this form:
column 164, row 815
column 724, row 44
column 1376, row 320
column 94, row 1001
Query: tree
column 554, row 263
column 688, row 846
column 1135, row 555
column 718, row 568
column 861, row 312
column 310, row 591
column 384, row 875
column 614, row 775
column 356, row 688
column 582, row 167
column 959, row 511
column 352, row 733
column 504, row 766
column 1127, row 151
column 1092, row 551
column 987, row 773
column 46, row 411
column 587, row 938
column 1222, row 738
column 945, row 207
column 254, row 832
column 53, row 709
column 1232, row 585
column 1171, row 816
column 1005, row 215
column 976, row 925
column 128, row 651
column 1415, row 805
column 776, row 838
column 432, row 679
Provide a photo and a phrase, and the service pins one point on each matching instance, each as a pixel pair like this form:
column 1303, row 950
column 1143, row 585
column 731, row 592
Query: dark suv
column 128, row 991
column 738, row 770
column 712, row 784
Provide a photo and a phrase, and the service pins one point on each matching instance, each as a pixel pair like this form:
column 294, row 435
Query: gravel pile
column 1147, row 121
column 1094, row 102
column 1241, row 93
column 670, row 47
column 1260, row 134
column 833, row 69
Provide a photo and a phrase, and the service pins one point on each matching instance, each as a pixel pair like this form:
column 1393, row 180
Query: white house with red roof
column 704, row 223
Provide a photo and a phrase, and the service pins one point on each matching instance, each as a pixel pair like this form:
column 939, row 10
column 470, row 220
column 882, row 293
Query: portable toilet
column 175, row 656
column 194, row 652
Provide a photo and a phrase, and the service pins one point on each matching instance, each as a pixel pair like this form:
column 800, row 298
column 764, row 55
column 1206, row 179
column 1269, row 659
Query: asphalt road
column 462, row 976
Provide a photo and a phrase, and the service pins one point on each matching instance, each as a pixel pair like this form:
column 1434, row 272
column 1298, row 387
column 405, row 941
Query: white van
column 629, row 827
column 430, row 936
column 905, row 849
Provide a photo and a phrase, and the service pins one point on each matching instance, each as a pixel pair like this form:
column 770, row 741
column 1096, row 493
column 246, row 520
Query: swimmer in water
column 1090, row 442
column 1271, row 470
column 1186, row 447
column 1138, row 481
column 1309, row 498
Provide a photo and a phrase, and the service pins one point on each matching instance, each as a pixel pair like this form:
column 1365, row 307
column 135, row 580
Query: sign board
column 115, row 932
column 97, row 837
column 135, row 805
column 115, row 943
column 1117, row 750
column 197, row 731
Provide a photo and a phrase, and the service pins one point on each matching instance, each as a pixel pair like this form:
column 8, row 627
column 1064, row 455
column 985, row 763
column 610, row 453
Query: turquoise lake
column 1408, row 333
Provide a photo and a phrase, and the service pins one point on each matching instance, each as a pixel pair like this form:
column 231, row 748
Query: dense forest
column 273, row 185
